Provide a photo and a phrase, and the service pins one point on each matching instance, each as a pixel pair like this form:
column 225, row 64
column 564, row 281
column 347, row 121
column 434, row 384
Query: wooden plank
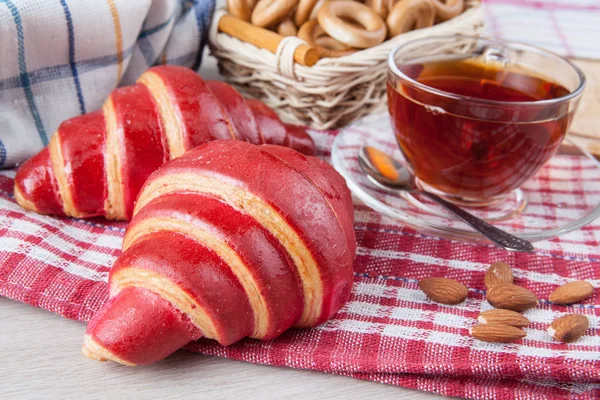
column 586, row 126
column 41, row 359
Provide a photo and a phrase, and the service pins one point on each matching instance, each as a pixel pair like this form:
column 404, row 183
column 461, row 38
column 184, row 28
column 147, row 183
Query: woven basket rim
column 358, row 59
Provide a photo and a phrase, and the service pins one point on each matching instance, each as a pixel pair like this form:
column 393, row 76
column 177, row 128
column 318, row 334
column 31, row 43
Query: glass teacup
column 475, row 117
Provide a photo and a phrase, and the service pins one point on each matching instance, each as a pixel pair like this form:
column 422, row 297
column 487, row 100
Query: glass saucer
column 562, row 197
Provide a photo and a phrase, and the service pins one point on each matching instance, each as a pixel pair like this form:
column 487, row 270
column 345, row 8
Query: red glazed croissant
column 97, row 163
column 230, row 240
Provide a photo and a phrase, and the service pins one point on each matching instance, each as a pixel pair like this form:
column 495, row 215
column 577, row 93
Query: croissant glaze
column 229, row 241
column 96, row 164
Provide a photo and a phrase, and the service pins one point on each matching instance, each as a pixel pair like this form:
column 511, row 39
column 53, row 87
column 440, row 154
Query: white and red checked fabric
column 389, row 331
column 568, row 27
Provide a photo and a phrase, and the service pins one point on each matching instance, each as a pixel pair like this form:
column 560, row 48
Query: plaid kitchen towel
column 568, row 27
column 389, row 331
column 61, row 58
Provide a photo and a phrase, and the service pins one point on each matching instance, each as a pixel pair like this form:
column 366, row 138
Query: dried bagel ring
column 409, row 14
column 241, row 8
column 307, row 10
column 330, row 18
column 313, row 34
column 303, row 11
column 287, row 28
column 379, row 6
column 269, row 13
column 331, row 44
column 448, row 9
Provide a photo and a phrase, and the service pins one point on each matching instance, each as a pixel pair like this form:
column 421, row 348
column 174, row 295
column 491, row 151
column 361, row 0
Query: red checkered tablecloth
column 568, row 27
column 388, row 332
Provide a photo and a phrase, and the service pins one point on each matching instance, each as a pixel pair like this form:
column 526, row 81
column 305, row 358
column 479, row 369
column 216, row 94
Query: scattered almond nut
column 572, row 292
column 511, row 297
column 499, row 272
column 569, row 328
column 499, row 333
column 444, row 290
column 506, row 317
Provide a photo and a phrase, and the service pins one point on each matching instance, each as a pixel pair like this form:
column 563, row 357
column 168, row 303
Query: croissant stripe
column 58, row 166
column 238, row 112
column 258, row 209
column 114, row 204
column 266, row 263
column 144, row 228
column 269, row 121
column 37, row 187
column 25, row 202
column 193, row 101
column 82, row 147
column 168, row 290
column 139, row 130
column 199, row 111
column 95, row 351
column 169, row 329
column 200, row 276
column 325, row 185
column 171, row 121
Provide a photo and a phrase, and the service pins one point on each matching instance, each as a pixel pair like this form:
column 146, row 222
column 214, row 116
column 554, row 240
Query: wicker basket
column 332, row 93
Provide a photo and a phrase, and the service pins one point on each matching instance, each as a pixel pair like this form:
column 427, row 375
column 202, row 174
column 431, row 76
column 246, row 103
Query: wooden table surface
column 586, row 127
column 41, row 357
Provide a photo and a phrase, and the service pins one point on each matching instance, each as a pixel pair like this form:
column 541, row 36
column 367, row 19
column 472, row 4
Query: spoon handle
column 496, row 235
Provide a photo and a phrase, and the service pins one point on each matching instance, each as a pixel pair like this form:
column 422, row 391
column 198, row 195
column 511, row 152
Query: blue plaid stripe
column 72, row 62
column 157, row 28
column 63, row 71
column 147, row 50
column 144, row 44
column 185, row 59
column 23, row 74
column 2, row 154
column 203, row 10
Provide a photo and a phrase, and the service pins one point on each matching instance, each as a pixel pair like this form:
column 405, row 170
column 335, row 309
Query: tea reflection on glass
column 475, row 118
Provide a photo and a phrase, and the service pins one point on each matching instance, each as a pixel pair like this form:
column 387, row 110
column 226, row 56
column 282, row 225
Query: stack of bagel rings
column 336, row 28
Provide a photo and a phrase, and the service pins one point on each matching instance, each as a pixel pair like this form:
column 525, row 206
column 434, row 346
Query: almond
column 444, row 290
column 569, row 328
column 506, row 317
column 499, row 333
column 499, row 272
column 511, row 297
column 572, row 292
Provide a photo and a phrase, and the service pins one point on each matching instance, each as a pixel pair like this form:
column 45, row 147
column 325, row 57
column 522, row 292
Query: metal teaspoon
column 392, row 175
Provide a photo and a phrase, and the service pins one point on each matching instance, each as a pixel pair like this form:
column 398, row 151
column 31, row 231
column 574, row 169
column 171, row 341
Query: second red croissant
column 96, row 164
